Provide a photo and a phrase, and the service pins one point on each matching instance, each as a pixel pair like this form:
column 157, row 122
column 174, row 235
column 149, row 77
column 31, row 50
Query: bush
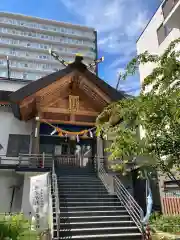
column 16, row 227
column 168, row 224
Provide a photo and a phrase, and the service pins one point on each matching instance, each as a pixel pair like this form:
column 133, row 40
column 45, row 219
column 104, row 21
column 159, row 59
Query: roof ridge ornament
column 78, row 58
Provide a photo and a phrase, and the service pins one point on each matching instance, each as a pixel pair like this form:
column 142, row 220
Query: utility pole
column 118, row 81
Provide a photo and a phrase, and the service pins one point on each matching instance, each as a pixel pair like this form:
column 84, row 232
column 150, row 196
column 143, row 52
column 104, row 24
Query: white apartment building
column 163, row 28
column 26, row 40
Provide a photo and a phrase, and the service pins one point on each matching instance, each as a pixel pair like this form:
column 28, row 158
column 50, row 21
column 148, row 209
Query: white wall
column 11, row 85
column 148, row 41
column 7, row 180
column 11, row 125
column 26, row 207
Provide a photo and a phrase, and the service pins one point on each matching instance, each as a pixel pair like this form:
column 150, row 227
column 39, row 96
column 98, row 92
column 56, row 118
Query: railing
column 132, row 207
column 103, row 175
column 171, row 203
column 27, row 160
column 168, row 6
column 113, row 184
column 55, row 204
column 68, row 160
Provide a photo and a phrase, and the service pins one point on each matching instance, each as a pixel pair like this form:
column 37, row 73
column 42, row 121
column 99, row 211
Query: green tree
column 156, row 110
column 16, row 227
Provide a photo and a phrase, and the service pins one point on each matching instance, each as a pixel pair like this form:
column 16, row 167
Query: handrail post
column 43, row 159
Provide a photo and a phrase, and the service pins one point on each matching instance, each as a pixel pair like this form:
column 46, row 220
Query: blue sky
column 118, row 22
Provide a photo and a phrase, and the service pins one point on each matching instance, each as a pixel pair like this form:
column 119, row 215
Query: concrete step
column 84, row 193
column 91, row 208
column 83, row 190
column 92, row 213
column 70, row 177
column 85, row 175
column 77, row 181
column 111, row 236
column 92, row 204
column 94, row 224
column 98, row 230
column 82, row 187
column 71, row 219
column 94, row 183
column 89, row 199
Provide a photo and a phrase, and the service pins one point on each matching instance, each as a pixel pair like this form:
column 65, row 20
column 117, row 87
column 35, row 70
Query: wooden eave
column 45, row 101
column 38, row 96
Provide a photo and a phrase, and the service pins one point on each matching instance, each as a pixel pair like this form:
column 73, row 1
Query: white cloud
column 118, row 23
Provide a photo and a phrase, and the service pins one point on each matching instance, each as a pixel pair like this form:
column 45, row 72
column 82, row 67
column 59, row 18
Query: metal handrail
column 105, row 178
column 132, row 207
column 28, row 160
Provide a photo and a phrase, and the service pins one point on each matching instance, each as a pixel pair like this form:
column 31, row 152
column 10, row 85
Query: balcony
column 171, row 13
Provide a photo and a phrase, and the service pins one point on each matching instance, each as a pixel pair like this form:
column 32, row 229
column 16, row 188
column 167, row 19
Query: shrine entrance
column 67, row 150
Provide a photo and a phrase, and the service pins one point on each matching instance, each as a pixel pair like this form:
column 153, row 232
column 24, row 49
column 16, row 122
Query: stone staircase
column 88, row 211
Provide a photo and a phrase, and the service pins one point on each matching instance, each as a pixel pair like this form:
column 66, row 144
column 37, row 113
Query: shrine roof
column 78, row 65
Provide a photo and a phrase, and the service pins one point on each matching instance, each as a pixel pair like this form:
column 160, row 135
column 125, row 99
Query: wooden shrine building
column 69, row 99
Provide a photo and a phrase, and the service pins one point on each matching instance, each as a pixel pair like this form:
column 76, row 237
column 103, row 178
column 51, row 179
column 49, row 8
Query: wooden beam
column 95, row 89
column 27, row 101
column 66, row 111
column 68, row 122
column 94, row 104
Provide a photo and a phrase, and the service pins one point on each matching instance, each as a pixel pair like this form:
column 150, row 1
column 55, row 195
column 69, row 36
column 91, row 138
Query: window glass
column 18, row 144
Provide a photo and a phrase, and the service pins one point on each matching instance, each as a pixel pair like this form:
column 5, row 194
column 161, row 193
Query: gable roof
column 43, row 82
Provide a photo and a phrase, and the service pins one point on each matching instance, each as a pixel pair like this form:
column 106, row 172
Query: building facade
column 26, row 40
column 162, row 29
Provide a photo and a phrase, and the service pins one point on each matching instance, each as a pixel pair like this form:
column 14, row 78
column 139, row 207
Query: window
column 162, row 33
column 25, row 75
column 1, row 62
column 18, row 144
column 3, row 74
column 13, row 51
